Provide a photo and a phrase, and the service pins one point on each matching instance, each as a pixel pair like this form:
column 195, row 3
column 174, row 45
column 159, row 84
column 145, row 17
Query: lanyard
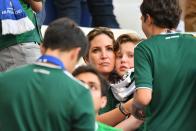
column 52, row 60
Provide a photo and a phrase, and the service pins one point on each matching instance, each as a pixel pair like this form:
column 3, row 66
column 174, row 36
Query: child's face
column 124, row 58
column 95, row 87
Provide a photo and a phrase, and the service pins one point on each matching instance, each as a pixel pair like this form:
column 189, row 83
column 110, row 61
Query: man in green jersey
column 165, row 70
column 44, row 96
column 98, row 87
column 20, row 49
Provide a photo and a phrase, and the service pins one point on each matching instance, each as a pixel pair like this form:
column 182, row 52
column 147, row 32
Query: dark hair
column 90, row 69
column 124, row 38
column 98, row 31
column 165, row 13
column 64, row 34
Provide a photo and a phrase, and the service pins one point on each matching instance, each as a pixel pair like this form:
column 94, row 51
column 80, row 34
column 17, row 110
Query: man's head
column 96, row 82
column 162, row 13
column 63, row 35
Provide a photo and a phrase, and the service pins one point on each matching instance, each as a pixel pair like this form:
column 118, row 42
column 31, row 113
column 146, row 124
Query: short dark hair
column 64, row 34
column 165, row 13
column 90, row 69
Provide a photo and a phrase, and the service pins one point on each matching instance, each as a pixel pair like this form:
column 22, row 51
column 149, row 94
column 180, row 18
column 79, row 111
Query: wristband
column 122, row 110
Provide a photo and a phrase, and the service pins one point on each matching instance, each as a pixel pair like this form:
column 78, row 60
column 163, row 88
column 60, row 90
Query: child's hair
column 90, row 69
column 126, row 38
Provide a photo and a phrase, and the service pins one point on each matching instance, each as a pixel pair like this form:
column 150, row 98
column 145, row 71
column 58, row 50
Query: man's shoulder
column 162, row 38
column 15, row 74
column 149, row 41
column 190, row 36
column 75, row 82
column 19, row 69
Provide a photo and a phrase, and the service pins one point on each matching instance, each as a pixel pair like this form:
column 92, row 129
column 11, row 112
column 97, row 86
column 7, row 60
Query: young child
column 98, row 87
column 124, row 85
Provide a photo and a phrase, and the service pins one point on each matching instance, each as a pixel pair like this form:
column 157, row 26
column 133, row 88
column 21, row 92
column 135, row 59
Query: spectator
column 124, row 85
column 164, row 70
column 101, row 55
column 102, row 13
column 98, row 87
column 100, row 10
column 16, row 50
column 45, row 96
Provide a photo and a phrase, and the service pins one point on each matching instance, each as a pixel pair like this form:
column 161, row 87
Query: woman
column 101, row 50
column 101, row 55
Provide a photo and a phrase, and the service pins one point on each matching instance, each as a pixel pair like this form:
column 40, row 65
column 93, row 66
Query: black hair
column 165, row 13
column 64, row 34
column 90, row 69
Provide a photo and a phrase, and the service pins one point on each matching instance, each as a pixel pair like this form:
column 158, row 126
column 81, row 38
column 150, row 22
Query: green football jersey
column 111, row 102
column 41, row 98
column 166, row 63
column 104, row 127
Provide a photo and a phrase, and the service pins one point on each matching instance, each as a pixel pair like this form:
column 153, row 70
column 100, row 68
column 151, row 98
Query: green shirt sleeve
column 143, row 66
column 83, row 113
column 104, row 127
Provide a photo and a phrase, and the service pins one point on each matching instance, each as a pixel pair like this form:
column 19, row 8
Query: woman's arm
column 114, row 116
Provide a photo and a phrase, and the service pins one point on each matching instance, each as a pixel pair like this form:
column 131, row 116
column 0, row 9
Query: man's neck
column 157, row 30
column 57, row 54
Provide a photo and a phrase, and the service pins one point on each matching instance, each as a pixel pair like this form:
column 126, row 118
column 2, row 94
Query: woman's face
column 124, row 58
column 101, row 54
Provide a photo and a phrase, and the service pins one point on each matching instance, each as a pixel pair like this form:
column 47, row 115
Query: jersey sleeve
column 143, row 67
column 83, row 113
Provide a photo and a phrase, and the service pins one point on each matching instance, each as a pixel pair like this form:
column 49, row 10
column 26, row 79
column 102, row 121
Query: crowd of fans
column 126, row 84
